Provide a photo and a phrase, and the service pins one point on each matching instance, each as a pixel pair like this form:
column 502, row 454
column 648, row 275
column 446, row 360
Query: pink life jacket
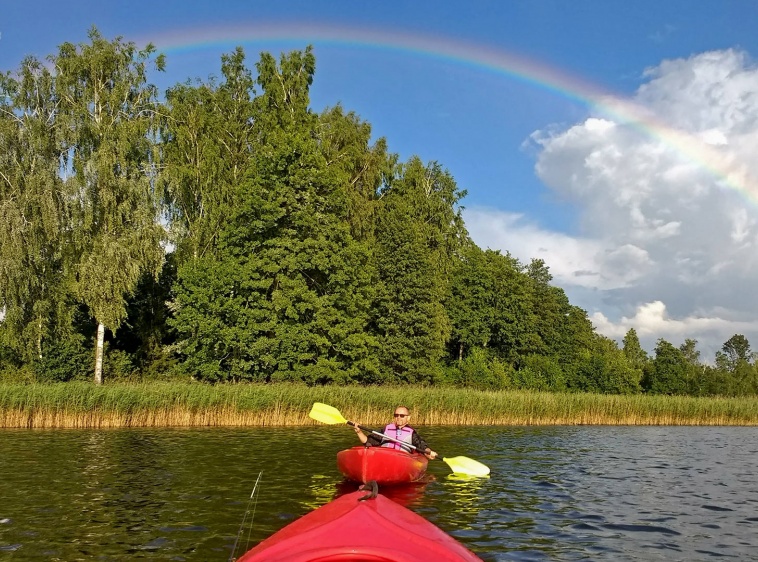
column 404, row 434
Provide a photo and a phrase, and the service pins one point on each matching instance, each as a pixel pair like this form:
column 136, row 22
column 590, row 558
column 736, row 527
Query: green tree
column 295, row 226
column 106, row 114
column 35, row 281
column 480, row 369
column 418, row 232
column 555, row 328
column 711, row 381
column 358, row 165
column 633, row 350
column 737, row 362
column 214, row 341
column 745, row 379
column 289, row 293
column 206, row 132
column 735, row 351
column 471, row 298
column 574, row 340
column 690, row 351
column 605, row 369
column 669, row 371
column 514, row 324
column 540, row 372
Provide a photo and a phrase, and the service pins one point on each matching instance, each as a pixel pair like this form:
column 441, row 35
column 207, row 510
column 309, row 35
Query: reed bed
column 85, row 405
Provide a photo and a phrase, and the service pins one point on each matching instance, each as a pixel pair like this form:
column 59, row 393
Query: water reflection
column 467, row 493
column 406, row 495
column 320, row 492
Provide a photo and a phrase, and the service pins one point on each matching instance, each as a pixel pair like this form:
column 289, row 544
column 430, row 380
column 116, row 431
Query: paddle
column 459, row 465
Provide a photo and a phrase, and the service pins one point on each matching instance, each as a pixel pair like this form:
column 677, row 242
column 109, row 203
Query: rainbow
column 728, row 171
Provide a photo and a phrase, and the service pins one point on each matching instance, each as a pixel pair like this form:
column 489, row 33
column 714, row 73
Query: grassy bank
column 84, row 405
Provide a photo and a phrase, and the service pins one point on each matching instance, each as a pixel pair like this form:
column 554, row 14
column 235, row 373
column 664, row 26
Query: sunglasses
column 401, row 415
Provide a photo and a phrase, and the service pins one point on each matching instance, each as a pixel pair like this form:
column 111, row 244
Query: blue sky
column 638, row 232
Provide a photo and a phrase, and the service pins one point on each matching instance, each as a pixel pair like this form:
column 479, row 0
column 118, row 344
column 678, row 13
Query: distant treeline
column 226, row 232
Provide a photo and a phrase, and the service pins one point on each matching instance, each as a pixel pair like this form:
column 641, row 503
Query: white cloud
column 572, row 261
column 667, row 245
column 651, row 320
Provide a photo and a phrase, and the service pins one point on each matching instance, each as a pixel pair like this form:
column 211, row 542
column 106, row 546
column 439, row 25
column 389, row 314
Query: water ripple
column 640, row 528
column 563, row 493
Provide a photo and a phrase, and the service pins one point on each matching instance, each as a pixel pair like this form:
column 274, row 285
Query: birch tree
column 206, row 144
column 107, row 111
column 33, row 212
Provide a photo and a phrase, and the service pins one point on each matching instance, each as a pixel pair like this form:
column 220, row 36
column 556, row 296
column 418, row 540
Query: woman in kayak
column 399, row 430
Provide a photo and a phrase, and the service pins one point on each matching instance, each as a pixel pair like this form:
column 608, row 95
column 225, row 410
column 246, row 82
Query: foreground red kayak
column 373, row 530
column 381, row 464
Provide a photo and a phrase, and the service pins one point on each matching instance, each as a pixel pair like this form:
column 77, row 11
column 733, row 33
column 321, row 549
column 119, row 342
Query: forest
column 223, row 231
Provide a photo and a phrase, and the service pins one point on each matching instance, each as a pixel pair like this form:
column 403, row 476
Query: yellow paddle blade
column 465, row 465
column 326, row 414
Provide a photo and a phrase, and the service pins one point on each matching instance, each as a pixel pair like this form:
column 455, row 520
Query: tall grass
column 84, row 405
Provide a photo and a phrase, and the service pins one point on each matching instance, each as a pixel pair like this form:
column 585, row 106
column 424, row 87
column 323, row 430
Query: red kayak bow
column 348, row 529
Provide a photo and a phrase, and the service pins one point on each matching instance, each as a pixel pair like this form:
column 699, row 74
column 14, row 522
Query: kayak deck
column 381, row 464
column 371, row 530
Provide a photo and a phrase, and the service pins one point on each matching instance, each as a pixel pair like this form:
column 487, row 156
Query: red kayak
column 348, row 529
column 381, row 464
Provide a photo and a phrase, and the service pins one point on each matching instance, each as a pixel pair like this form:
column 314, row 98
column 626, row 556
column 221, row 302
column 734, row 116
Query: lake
column 555, row 493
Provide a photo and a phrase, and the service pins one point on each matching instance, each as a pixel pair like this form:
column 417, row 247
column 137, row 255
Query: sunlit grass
column 84, row 405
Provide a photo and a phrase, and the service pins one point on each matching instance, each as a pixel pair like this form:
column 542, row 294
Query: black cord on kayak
column 372, row 488
column 253, row 494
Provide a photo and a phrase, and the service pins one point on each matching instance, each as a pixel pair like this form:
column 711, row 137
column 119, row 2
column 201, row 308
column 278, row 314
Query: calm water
column 569, row 493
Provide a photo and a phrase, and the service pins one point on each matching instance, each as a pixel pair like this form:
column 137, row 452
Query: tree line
column 227, row 232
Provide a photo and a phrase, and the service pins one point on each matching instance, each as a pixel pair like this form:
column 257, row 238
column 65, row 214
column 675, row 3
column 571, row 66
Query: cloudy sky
column 615, row 140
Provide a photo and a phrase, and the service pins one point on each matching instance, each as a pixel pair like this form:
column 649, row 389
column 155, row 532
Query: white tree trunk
column 99, row 354
column 39, row 338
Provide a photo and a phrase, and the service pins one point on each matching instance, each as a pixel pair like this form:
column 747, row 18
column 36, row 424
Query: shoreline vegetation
column 87, row 406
